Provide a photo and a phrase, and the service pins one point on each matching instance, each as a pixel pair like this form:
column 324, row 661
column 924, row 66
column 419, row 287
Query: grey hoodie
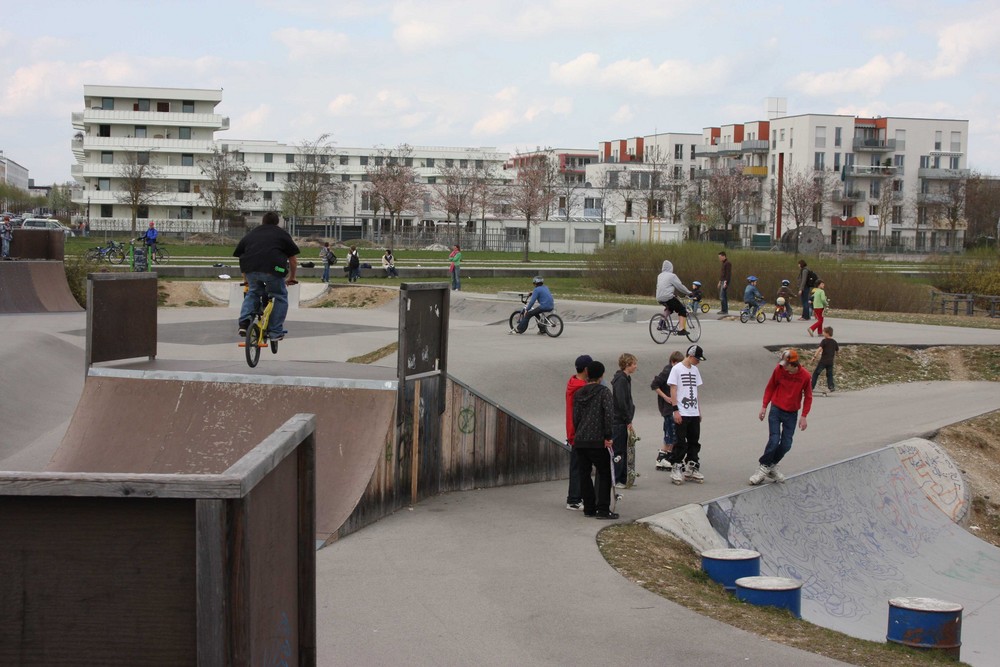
column 668, row 284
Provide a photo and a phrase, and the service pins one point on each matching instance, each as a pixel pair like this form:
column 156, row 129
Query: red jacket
column 785, row 390
column 571, row 388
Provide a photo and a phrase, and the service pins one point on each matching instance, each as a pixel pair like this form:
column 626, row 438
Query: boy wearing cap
column 789, row 388
column 573, row 499
column 593, row 414
column 684, row 380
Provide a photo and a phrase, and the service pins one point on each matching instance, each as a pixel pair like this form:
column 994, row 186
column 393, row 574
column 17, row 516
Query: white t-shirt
column 687, row 380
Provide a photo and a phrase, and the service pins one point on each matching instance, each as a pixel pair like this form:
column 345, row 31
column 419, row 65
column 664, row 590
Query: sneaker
column 578, row 505
column 661, row 461
column 832, row 390
column 682, row 332
column 619, row 485
column 662, row 326
column 677, row 474
column 758, row 477
column 276, row 338
column 590, row 515
column 242, row 332
column 606, row 515
column 774, row 474
column 692, row 473
column 542, row 332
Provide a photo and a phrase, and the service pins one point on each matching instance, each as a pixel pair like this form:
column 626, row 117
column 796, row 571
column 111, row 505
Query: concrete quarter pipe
column 35, row 287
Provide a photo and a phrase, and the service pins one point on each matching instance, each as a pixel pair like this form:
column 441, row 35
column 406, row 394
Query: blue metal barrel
column 778, row 592
column 725, row 566
column 926, row 623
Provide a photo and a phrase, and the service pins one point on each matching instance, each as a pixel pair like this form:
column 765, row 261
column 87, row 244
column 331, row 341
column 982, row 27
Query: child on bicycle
column 784, row 308
column 541, row 301
column 696, row 295
column 752, row 296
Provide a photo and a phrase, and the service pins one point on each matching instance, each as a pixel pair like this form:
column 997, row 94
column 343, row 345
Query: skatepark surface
column 508, row 575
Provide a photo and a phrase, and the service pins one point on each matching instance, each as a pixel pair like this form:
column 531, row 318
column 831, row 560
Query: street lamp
column 354, row 202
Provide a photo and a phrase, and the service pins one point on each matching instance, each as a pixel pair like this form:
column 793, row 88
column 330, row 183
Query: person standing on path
column 456, row 268
column 804, row 290
column 353, row 265
column 327, row 256
column 621, row 392
column 725, row 277
column 788, row 389
column 825, row 354
column 663, row 402
column 819, row 303
column 593, row 412
column 6, row 234
column 574, row 500
column 684, row 380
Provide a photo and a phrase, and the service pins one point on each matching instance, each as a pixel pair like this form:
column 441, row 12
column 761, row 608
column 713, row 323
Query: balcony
column 755, row 146
column 875, row 170
column 942, row 174
column 934, row 198
column 148, row 144
column 849, row 195
column 760, row 172
column 592, row 212
column 728, row 149
column 102, row 117
column 863, row 145
column 708, row 173
column 706, row 150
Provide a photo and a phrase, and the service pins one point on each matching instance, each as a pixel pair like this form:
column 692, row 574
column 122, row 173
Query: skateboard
column 615, row 495
column 630, row 458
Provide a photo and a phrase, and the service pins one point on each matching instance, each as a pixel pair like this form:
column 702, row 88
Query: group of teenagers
column 599, row 418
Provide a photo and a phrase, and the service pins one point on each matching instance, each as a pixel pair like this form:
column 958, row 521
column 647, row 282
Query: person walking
column 353, row 265
column 328, row 258
column 455, row 268
column 593, row 412
column 725, row 277
column 804, row 288
column 621, row 392
column 684, row 380
column 825, row 354
column 574, row 501
column 788, row 389
column 819, row 304
column 666, row 407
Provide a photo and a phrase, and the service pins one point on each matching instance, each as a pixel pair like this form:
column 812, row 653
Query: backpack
column 811, row 279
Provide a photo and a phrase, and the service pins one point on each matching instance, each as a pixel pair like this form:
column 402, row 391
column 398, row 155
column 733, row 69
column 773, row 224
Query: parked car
column 46, row 223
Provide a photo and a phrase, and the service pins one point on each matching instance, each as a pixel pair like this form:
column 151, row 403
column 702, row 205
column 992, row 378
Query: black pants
column 573, row 495
column 591, row 458
column 829, row 375
column 688, row 444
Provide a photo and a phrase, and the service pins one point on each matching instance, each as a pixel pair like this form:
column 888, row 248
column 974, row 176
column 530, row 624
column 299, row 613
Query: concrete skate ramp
column 35, row 287
column 161, row 422
column 868, row 529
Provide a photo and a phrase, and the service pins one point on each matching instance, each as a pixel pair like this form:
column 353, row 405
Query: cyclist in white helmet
column 541, row 301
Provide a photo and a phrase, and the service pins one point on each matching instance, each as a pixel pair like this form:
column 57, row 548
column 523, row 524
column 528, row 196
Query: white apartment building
column 12, row 173
column 174, row 128
column 919, row 161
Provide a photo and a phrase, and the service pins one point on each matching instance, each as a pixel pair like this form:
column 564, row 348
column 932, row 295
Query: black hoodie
column 593, row 414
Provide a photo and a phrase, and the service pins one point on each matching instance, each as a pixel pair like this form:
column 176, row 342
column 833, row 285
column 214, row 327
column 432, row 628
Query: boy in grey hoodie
column 593, row 415
column 667, row 287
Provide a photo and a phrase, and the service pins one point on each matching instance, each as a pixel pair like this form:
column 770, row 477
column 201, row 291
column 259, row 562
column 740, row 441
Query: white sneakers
column 769, row 473
column 677, row 474
column 692, row 474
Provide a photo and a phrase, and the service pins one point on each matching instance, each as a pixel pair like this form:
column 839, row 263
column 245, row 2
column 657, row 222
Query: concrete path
column 508, row 576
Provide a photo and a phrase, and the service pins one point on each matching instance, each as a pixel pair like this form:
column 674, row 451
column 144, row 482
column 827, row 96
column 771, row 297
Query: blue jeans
column 259, row 283
column 456, row 279
column 724, row 299
column 806, row 306
column 6, row 248
column 326, row 272
column 522, row 324
column 669, row 430
column 781, row 428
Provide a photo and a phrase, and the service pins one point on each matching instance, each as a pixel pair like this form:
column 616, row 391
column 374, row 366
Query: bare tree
column 227, row 183
column 530, row 195
column 885, row 201
column 311, row 186
column 393, row 181
column 454, row 194
column 486, row 193
column 982, row 206
column 728, row 191
column 802, row 191
column 139, row 183
column 946, row 207
column 567, row 192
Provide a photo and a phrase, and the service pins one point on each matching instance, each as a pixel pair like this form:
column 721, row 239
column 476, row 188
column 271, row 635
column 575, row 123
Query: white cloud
column 668, row 78
column 508, row 94
column 494, row 122
column 870, row 78
column 960, row 43
column 311, row 45
column 253, row 121
column 341, row 103
column 622, row 115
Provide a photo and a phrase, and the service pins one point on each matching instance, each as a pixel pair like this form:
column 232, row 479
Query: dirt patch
column 184, row 293
column 975, row 447
column 354, row 297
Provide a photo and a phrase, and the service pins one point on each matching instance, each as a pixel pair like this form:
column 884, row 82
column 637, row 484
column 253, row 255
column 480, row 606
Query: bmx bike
column 550, row 323
column 257, row 336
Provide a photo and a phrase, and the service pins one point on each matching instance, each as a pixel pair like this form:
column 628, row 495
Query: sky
column 514, row 75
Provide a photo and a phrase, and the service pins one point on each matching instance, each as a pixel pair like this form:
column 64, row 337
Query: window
column 267, row 195
column 104, row 184
column 817, row 212
column 693, row 146
column 163, row 107
column 821, row 136
column 819, row 161
column 678, row 172
column 953, row 162
column 187, row 159
column 290, row 158
column 324, row 159
column 925, row 161
column 956, row 142
column 774, row 139
column 142, row 105
column 107, row 157
column 310, row 159
column 408, row 162
column 343, row 159
column 782, row 134
column 187, row 106
column 449, row 162
column 431, row 180
column 921, row 215
column 897, row 185
column 897, row 237
column 791, row 137
column 379, row 160
column 897, row 162
column 900, row 140
column 479, row 164
column 937, row 140
column 366, row 202
column 107, row 210
column 268, row 157
column 678, row 151
column 364, row 160
column 108, row 103
column 269, row 176
column 142, row 157
column 140, row 131
column 183, row 132
column 464, row 164
column 921, row 240
column 104, row 130
column 586, row 235
column 897, row 215
column 552, row 235
column 186, row 213
column 142, row 211
column 345, row 178
column 430, row 162
column 183, row 185
column 837, row 136
column 836, row 161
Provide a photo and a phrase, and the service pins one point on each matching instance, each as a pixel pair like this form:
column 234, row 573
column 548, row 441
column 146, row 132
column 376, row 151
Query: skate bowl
column 859, row 533
column 35, row 286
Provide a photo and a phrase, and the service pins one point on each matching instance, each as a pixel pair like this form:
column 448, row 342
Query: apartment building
column 173, row 129
column 12, row 173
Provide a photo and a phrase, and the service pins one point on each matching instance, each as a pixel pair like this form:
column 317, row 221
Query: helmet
column 751, row 279
column 781, row 301
column 785, row 283
column 537, row 280
column 697, row 283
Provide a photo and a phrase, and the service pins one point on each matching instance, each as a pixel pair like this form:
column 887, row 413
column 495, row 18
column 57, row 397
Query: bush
column 77, row 268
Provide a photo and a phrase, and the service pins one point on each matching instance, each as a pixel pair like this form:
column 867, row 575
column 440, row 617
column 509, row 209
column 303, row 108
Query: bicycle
column 694, row 306
column 114, row 252
column 549, row 322
column 781, row 312
column 753, row 311
column 661, row 326
column 257, row 336
column 159, row 254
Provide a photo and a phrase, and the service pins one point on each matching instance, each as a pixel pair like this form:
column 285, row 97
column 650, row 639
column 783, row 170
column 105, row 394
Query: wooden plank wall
column 474, row 443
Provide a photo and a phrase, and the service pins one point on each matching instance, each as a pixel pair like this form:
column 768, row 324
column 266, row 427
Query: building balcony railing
column 863, row 145
column 870, row 170
column 755, row 146
column 154, row 143
column 708, row 173
column 706, row 150
column 101, row 117
column 591, row 212
column 730, row 149
column 849, row 195
column 942, row 174
column 933, row 198
column 760, row 172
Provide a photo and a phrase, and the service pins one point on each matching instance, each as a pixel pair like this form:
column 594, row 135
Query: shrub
column 77, row 268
